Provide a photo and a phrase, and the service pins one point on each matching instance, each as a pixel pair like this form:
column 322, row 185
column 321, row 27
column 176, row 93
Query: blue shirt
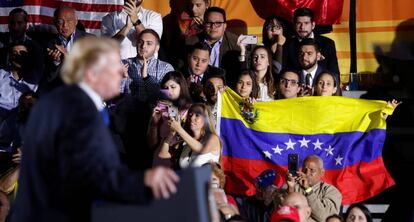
column 144, row 88
column 10, row 91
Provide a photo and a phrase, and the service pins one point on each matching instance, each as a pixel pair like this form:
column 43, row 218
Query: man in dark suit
column 59, row 47
column 70, row 159
column 304, row 25
column 224, row 51
column 309, row 55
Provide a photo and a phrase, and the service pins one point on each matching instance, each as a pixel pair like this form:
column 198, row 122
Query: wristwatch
column 138, row 22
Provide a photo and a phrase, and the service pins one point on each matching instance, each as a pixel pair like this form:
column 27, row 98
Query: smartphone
column 293, row 164
column 173, row 112
column 248, row 39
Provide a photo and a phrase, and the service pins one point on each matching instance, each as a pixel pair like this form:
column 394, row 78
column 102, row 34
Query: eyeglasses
column 273, row 27
column 292, row 82
column 215, row 24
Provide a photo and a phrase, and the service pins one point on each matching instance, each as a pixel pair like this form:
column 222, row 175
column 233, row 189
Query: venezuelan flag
column 348, row 134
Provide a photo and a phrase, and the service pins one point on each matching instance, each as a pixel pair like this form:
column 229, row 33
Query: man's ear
column 313, row 25
column 225, row 26
column 157, row 48
column 318, row 56
column 322, row 172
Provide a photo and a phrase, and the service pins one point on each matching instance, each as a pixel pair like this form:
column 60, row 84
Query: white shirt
column 313, row 73
column 115, row 21
column 263, row 93
column 188, row 157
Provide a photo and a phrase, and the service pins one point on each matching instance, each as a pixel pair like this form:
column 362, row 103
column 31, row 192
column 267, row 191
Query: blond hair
column 86, row 53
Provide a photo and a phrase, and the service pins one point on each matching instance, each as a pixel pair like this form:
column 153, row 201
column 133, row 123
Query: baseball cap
column 288, row 213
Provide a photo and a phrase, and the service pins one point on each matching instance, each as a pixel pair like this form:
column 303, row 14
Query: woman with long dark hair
column 200, row 143
column 174, row 103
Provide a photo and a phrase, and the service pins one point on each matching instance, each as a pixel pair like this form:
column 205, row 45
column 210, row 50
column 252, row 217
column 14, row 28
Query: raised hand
column 144, row 70
column 54, row 54
column 394, row 103
column 132, row 11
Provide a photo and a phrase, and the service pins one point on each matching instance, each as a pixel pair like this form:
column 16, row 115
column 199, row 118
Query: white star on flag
column 277, row 150
column 289, row 145
column 304, row 142
column 318, row 145
column 329, row 150
column 338, row 160
column 267, row 154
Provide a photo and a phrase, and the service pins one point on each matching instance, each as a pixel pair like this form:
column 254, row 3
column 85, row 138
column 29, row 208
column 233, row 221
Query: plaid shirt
column 148, row 88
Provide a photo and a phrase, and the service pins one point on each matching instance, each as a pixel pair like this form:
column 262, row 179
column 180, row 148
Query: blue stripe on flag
column 337, row 150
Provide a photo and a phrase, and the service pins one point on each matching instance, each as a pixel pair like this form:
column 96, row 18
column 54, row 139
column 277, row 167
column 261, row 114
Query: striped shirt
column 148, row 88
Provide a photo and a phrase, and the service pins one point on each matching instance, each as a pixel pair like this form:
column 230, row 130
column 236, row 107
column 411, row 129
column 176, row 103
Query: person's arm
column 121, row 34
column 277, row 49
column 194, row 144
column 290, row 182
column 277, row 57
column 324, row 203
column 152, row 132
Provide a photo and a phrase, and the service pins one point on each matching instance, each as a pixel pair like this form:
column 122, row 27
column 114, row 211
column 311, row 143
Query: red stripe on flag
column 49, row 20
column 357, row 182
column 77, row 6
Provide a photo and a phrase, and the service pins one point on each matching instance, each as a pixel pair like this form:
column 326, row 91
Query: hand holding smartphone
column 248, row 39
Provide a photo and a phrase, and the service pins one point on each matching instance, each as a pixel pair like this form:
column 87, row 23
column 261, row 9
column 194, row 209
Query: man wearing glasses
column 288, row 86
column 222, row 43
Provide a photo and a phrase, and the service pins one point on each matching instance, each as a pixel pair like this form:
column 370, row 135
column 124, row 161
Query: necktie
column 308, row 79
column 105, row 116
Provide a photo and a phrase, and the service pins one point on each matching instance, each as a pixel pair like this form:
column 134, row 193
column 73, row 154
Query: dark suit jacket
column 51, row 78
column 318, row 71
column 229, row 54
column 69, row 161
column 328, row 50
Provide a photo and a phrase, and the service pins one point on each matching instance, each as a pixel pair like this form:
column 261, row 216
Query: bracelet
column 308, row 190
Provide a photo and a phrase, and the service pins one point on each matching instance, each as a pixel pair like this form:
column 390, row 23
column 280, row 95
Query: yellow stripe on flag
column 333, row 114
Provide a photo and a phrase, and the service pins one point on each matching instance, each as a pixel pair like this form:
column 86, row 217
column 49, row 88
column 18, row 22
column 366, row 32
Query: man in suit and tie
column 224, row 51
column 70, row 159
column 308, row 56
column 65, row 21
column 304, row 24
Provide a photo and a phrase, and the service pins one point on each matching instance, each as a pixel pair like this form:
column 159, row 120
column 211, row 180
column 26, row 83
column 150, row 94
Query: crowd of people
column 118, row 115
